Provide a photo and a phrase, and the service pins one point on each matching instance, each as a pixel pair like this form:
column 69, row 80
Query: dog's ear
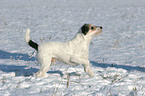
column 85, row 29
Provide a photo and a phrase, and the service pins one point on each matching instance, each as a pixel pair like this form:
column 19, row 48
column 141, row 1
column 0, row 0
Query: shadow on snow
column 16, row 56
column 19, row 70
column 126, row 67
column 24, row 70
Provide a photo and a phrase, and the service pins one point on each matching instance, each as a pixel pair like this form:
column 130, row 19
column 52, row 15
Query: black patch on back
column 85, row 29
column 33, row 44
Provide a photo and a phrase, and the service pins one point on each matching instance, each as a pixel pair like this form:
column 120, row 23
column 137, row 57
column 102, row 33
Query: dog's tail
column 29, row 41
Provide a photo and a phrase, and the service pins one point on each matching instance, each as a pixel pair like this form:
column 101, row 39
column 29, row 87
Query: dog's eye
column 92, row 28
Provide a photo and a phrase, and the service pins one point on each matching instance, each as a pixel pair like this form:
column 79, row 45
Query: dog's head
column 91, row 30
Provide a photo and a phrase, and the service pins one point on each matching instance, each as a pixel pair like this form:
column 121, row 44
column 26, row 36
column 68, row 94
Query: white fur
column 27, row 35
column 71, row 52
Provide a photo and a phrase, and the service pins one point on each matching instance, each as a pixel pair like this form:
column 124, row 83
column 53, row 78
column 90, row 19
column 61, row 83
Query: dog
column 72, row 52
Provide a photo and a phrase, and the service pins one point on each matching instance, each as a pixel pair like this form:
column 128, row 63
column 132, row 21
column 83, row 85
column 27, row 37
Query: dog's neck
column 82, row 38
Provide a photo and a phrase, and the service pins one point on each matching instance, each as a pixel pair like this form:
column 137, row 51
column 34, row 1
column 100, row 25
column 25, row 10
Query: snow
column 117, row 56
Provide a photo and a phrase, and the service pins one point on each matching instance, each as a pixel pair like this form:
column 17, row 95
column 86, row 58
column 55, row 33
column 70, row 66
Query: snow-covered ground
column 117, row 56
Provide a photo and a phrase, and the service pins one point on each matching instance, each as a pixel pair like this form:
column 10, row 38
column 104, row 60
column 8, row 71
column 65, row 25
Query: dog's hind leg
column 45, row 65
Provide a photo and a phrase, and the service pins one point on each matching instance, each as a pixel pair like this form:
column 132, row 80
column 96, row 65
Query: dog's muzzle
column 99, row 27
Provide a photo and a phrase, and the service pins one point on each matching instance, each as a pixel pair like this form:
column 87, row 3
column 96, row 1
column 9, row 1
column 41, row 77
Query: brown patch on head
column 85, row 29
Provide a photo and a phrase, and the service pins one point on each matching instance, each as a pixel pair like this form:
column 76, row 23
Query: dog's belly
column 65, row 58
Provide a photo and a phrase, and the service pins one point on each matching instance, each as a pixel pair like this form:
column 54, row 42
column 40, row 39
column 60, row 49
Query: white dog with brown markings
column 72, row 52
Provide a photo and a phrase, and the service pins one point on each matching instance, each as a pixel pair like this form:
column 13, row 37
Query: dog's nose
column 101, row 27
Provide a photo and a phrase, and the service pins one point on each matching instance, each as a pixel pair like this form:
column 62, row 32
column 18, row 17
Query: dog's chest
column 80, row 49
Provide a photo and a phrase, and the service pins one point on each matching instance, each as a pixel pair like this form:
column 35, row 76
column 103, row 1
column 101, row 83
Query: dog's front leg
column 84, row 62
column 88, row 70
